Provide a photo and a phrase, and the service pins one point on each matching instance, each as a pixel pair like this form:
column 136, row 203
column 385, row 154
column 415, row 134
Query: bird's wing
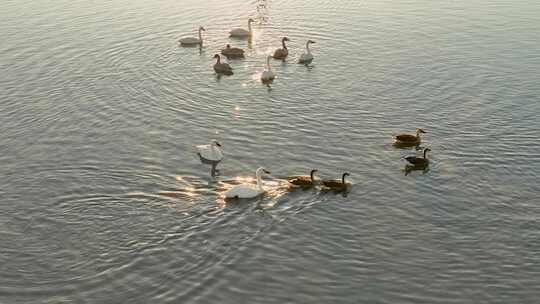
column 300, row 179
column 332, row 183
column 413, row 160
column 406, row 137
column 202, row 149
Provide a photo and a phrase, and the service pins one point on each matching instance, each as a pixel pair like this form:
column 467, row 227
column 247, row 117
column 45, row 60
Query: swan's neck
column 259, row 181
column 200, row 36
column 343, row 179
column 307, row 48
column 283, row 43
column 311, row 175
column 268, row 66
column 249, row 26
column 425, row 153
column 218, row 60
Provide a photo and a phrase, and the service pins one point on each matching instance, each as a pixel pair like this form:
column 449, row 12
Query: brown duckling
column 419, row 161
column 222, row 68
column 336, row 184
column 283, row 52
column 303, row 180
column 409, row 139
column 232, row 52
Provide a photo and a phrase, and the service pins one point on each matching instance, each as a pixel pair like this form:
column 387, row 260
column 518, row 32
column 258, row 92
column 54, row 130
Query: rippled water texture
column 103, row 198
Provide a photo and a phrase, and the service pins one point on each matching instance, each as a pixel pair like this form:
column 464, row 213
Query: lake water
column 103, row 199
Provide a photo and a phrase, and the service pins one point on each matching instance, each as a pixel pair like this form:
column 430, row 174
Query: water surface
column 103, row 199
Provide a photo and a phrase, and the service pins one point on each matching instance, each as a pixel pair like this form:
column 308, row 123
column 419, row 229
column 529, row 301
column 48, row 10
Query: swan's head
column 427, row 150
column 262, row 170
column 420, row 131
column 201, row 28
column 310, row 41
column 312, row 173
column 250, row 20
column 216, row 56
column 216, row 143
column 344, row 175
column 285, row 39
column 228, row 46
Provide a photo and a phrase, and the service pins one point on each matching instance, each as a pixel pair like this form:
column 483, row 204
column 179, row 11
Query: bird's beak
column 267, row 172
column 218, row 144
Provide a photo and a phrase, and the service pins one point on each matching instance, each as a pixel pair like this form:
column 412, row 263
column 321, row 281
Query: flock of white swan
column 212, row 153
column 223, row 68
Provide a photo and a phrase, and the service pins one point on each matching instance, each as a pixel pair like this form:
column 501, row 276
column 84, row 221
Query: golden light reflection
column 236, row 111
column 185, row 192
column 256, row 76
column 170, row 206
column 244, row 179
column 221, row 202
column 190, row 191
column 269, row 205
column 179, row 178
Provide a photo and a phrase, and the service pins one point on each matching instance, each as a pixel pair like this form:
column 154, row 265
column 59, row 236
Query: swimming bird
column 303, row 180
column 210, row 152
column 409, row 139
column 248, row 190
column 307, row 57
column 222, row 68
column 268, row 75
column 242, row 33
column 282, row 52
column 336, row 184
column 232, row 52
column 193, row 40
column 419, row 162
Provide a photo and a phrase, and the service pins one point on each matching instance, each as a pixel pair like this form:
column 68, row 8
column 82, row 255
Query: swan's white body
column 307, row 57
column 248, row 190
column 192, row 40
column 242, row 33
column 268, row 75
column 210, row 152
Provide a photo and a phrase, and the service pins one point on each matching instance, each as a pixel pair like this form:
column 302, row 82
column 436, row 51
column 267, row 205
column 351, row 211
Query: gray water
column 103, row 198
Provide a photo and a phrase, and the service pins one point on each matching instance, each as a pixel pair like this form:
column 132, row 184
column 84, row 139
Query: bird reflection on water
column 410, row 168
column 213, row 170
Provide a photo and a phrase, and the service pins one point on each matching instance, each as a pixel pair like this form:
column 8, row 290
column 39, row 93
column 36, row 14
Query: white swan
column 307, row 57
column 210, row 152
column 192, row 40
column 242, row 33
column 268, row 75
column 248, row 190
